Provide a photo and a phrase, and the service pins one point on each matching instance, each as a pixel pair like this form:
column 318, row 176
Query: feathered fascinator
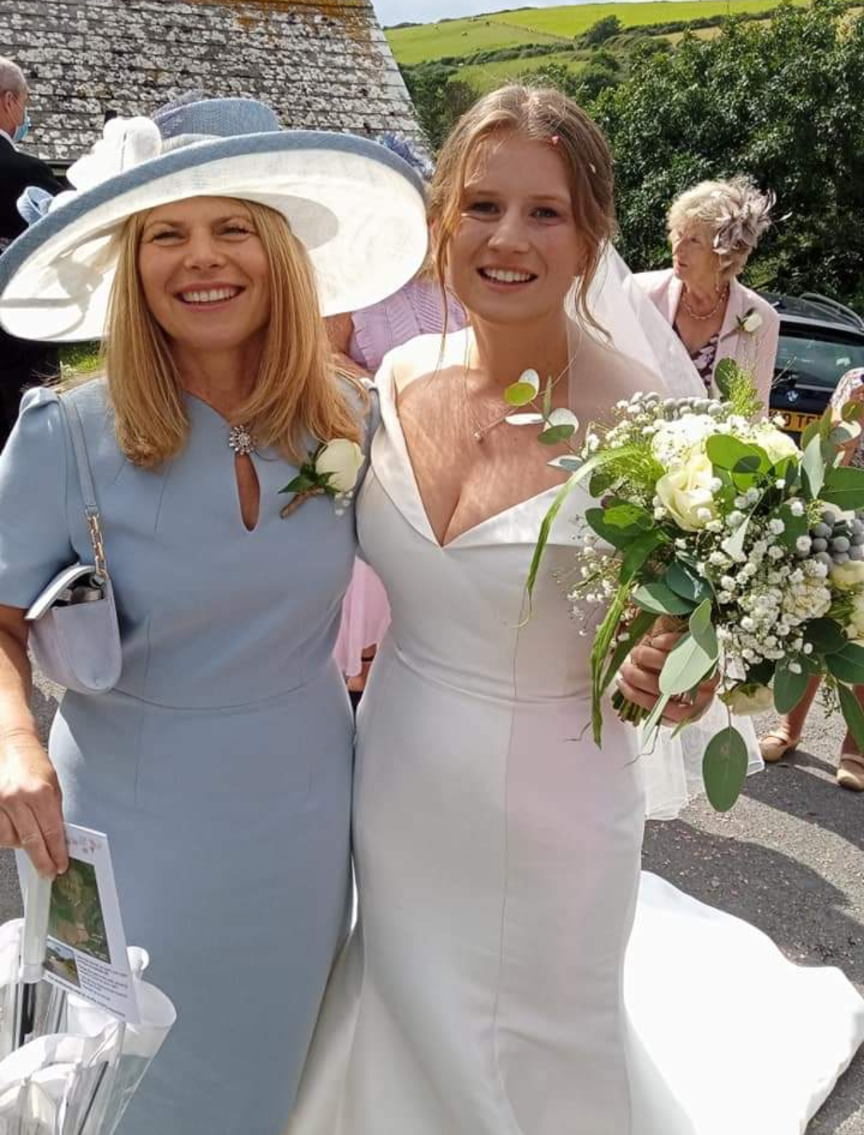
column 744, row 214
column 398, row 144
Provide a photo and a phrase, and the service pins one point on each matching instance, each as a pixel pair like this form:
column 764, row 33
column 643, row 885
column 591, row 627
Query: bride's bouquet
column 723, row 523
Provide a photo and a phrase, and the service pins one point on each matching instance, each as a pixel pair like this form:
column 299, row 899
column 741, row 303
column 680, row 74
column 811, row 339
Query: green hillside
column 452, row 38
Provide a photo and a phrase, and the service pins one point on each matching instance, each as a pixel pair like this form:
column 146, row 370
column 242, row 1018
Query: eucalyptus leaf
column 809, row 433
column 520, row 394
column 847, row 664
column 555, row 435
column 852, row 713
column 685, row 582
column 733, row 545
column 727, row 452
column 844, row 487
column 789, row 687
column 624, row 514
column 685, row 667
column 793, row 526
column 824, row 635
column 657, row 597
column 566, row 462
column 638, row 552
column 724, row 768
column 563, row 417
column 813, row 468
column 527, row 419
column 653, row 720
column 702, row 629
column 619, row 538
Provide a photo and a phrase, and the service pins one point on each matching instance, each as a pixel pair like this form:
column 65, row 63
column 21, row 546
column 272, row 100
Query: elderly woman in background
column 713, row 229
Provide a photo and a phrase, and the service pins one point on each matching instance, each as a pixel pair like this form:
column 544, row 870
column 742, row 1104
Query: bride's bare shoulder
column 423, row 356
column 621, row 375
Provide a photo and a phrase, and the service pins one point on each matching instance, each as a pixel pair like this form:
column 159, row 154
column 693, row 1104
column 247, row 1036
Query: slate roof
column 321, row 64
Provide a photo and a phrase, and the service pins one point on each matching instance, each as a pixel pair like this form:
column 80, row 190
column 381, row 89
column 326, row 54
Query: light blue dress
column 220, row 766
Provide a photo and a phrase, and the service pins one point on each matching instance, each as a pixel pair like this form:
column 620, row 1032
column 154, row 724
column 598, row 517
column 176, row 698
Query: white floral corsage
column 331, row 471
column 750, row 321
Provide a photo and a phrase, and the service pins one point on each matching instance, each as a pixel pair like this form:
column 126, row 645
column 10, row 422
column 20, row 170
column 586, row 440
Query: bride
column 487, row 988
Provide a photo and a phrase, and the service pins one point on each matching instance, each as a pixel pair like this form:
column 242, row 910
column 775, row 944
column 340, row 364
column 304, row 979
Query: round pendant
column 241, row 440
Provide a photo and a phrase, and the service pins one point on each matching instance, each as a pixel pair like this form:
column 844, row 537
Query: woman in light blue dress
column 220, row 763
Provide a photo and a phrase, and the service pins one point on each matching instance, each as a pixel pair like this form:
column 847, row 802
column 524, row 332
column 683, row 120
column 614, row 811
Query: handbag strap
column 88, row 491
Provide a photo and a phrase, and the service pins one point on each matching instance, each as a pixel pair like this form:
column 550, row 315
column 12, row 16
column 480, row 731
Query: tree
column 782, row 102
column 439, row 98
column 602, row 30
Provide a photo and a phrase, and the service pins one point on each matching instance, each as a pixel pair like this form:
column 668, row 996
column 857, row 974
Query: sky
column 421, row 11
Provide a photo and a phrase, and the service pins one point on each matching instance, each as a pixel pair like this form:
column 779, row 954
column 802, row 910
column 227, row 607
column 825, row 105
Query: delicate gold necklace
column 723, row 297
column 480, row 431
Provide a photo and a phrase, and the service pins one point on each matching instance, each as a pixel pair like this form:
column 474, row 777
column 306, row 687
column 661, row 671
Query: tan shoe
column 850, row 774
column 775, row 746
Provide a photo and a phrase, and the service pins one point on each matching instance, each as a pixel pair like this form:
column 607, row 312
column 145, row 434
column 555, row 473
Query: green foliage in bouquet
column 715, row 518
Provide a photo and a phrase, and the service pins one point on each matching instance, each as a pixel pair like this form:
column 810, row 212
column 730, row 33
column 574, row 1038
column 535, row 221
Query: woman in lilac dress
column 362, row 339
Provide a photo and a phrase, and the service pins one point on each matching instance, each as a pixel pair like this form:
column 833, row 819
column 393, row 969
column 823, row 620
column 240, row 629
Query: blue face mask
column 23, row 130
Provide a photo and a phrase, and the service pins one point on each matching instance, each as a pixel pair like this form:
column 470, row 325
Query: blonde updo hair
column 540, row 114
column 735, row 212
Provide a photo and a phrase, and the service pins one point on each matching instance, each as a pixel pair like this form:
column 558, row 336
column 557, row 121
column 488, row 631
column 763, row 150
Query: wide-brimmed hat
column 357, row 207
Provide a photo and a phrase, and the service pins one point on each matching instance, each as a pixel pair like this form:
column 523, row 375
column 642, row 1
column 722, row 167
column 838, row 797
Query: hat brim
column 357, row 208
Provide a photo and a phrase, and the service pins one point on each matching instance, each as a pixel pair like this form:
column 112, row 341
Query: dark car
column 820, row 340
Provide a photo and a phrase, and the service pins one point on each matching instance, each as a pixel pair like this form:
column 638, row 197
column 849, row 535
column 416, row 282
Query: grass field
column 546, row 25
column 485, row 77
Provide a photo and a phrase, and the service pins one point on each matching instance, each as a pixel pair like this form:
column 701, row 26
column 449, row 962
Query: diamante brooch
column 240, row 439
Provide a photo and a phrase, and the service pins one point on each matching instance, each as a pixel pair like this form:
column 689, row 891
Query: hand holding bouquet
column 754, row 545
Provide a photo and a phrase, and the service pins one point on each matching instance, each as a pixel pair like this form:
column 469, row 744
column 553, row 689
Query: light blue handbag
column 74, row 633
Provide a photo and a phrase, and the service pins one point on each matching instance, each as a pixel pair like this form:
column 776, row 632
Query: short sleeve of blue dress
column 34, row 531
column 220, row 765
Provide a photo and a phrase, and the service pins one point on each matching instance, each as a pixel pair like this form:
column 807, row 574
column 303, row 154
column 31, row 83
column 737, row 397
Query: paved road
column 788, row 858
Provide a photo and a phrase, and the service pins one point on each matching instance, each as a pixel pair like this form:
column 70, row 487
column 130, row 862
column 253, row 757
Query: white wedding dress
column 488, row 987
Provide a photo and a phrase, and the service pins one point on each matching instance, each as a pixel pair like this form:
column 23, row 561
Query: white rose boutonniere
column 331, row 470
column 750, row 321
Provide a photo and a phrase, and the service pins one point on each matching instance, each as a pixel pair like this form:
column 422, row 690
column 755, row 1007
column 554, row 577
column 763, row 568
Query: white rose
column 855, row 629
column 343, row 459
column 776, row 444
column 686, row 492
column 751, row 322
column 848, row 575
column 747, row 700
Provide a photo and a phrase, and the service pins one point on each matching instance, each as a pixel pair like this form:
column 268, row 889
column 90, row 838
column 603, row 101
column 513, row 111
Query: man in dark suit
column 21, row 363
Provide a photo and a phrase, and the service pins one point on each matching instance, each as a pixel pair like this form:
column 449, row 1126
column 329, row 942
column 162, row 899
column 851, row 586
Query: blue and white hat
column 357, row 207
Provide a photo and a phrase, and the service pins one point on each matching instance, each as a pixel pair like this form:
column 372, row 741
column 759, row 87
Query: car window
column 817, row 361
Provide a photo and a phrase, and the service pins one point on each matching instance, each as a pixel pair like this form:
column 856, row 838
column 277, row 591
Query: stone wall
column 321, row 64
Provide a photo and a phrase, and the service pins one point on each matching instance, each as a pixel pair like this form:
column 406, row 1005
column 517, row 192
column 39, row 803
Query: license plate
column 797, row 423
